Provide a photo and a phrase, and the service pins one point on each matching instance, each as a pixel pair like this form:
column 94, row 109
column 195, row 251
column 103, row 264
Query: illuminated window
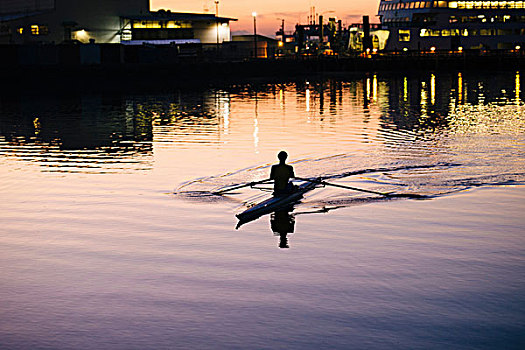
column 430, row 32
column 453, row 4
column 37, row 29
column 126, row 35
column 404, row 34
column 442, row 4
column 20, row 30
column 147, row 24
column 173, row 24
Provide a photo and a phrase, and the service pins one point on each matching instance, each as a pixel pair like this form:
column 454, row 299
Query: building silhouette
column 103, row 21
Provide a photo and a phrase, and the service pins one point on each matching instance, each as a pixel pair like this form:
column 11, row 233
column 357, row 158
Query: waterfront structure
column 367, row 37
column 165, row 27
column 331, row 38
column 102, row 21
column 428, row 25
column 321, row 38
column 242, row 46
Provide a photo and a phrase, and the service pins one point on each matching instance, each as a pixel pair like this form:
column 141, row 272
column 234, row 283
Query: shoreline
column 190, row 73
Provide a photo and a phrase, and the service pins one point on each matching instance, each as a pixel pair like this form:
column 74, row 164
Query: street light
column 254, row 14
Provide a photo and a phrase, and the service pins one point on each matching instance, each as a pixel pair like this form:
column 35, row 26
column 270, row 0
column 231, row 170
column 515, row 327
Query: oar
column 240, row 186
column 408, row 195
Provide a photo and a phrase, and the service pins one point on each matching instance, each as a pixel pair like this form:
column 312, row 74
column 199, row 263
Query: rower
column 281, row 174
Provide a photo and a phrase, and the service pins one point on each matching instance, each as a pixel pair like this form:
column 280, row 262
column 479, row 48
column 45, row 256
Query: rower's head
column 282, row 156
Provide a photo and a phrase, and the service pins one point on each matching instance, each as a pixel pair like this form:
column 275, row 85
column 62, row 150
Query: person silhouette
column 281, row 174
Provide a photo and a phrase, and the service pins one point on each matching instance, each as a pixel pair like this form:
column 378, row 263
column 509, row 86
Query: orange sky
column 270, row 12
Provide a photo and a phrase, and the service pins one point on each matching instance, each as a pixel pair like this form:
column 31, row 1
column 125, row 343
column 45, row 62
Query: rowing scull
column 275, row 203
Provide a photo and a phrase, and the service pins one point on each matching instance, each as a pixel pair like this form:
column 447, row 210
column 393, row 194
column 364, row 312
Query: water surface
column 110, row 237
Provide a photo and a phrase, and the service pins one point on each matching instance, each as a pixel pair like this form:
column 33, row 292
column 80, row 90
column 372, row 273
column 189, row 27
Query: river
column 112, row 236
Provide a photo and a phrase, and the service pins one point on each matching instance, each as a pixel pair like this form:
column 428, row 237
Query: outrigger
column 287, row 200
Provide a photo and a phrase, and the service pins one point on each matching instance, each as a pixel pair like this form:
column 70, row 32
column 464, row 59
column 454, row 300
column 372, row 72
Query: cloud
column 241, row 32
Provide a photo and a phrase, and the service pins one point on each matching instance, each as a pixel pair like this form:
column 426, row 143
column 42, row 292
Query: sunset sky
column 270, row 12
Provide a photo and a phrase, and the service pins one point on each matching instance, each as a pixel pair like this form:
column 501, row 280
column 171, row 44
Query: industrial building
column 105, row 21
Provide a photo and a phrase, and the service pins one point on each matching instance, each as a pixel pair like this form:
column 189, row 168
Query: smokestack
column 321, row 29
column 367, row 40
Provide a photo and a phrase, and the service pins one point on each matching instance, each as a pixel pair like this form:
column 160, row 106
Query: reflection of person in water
column 282, row 222
column 281, row 174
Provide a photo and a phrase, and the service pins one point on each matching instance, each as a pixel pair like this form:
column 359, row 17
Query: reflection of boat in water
column 282, row 223
column 275, row 203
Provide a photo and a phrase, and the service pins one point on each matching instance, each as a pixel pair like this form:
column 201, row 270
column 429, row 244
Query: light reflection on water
column 370, row 110
column 97, row 252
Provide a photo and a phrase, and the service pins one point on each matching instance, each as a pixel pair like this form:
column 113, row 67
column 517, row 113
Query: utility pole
column 217, row 19
column 254, row 14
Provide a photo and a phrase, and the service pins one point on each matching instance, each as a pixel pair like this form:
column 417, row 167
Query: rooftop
column 163, row 15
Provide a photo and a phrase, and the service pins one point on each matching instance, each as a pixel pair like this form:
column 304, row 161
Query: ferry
column 427, row 25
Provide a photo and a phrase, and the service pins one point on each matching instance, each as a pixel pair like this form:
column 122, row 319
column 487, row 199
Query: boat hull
column 274, row 203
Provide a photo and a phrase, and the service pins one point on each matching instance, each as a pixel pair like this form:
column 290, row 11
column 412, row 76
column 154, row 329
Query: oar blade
column 408, row 195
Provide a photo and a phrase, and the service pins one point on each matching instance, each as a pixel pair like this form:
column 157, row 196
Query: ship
column 453, row 25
